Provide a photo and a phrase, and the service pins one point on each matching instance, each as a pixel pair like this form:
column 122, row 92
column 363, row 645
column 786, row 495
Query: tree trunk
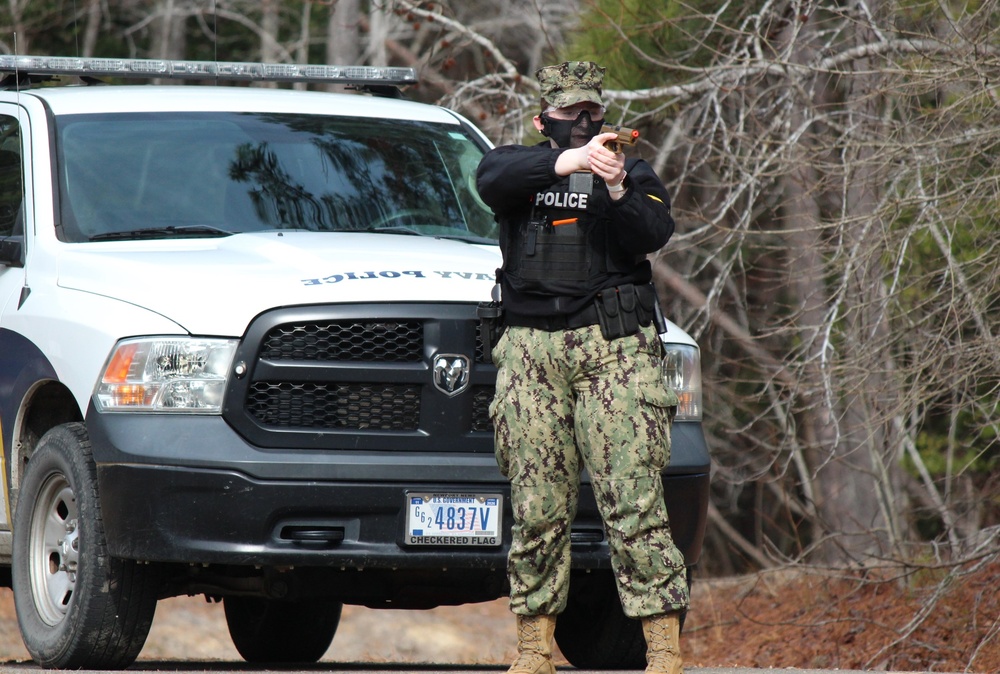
column 92, row 28
column 269, row 35
column 20, row 40
column 168, row 32
column 842, row 420
column 378, row 33
column 343, row 40
column 862, row 483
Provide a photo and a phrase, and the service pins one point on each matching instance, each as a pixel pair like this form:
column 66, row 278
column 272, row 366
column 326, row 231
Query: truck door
column 12, row 256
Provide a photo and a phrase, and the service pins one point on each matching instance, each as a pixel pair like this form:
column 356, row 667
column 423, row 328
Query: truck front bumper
column 190, row 490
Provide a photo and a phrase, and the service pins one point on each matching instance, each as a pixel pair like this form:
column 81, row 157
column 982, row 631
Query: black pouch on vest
column 554, row 258
column 623, row 310
column 617, row 311
column 649, row 307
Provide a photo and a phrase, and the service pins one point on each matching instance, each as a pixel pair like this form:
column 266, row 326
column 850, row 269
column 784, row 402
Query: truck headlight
column 682, row 373
column 166, row 374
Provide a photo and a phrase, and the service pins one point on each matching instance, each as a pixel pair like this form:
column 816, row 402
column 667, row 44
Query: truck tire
column 593, row 632
column 271, row 631
column 77, row 607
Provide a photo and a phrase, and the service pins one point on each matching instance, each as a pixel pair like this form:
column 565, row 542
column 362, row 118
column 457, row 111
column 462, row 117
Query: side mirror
column 12, row 251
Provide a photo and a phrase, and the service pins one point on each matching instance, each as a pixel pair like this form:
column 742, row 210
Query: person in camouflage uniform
column 579, row 382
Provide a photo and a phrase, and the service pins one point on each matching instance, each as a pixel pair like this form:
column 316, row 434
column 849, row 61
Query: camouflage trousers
column 569, row 400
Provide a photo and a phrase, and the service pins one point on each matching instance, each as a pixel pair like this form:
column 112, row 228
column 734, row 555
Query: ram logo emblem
column 451, row 373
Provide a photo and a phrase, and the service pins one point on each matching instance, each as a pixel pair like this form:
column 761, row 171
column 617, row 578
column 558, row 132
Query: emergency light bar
column 222, row 70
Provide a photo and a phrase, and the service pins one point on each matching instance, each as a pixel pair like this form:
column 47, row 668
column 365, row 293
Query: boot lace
column 530, row 658
column 663, row 654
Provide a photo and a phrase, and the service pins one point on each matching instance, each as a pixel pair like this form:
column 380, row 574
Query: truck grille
column 371, row 342
column 363, row 375
column 357, row 406
column 482, row 396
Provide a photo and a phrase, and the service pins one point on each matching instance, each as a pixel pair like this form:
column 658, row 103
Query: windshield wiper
column 395, row 229
column 467, row 238
column 169, row 232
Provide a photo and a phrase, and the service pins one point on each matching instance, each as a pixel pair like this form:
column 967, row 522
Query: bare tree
column 168, row 29
column 818, row 142
column 16, row 39
column 343, row 45
column 92, row 27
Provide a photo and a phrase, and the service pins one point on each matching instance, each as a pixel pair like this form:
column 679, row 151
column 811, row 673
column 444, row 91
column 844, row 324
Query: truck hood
column 216, row 286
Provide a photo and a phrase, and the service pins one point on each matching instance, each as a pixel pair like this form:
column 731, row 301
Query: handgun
column 625, row 135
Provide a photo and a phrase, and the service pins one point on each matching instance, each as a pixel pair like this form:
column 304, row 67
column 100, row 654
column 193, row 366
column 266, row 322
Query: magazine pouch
column 623, row 310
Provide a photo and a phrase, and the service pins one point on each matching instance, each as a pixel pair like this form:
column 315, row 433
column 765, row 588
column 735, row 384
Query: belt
column 580, row 319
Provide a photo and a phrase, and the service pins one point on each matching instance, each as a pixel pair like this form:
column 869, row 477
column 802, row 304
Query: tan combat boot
column 534, row 645
column 663, row 647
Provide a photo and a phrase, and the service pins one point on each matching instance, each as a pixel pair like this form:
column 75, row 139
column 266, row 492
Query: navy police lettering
column 361, row 276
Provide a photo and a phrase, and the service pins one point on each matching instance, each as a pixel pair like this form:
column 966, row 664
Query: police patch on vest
column 576, row 201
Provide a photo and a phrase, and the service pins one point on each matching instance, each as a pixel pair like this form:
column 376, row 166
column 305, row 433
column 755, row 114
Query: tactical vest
column 562, row 249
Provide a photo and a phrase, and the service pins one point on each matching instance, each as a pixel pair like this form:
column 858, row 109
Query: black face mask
column 571, row 132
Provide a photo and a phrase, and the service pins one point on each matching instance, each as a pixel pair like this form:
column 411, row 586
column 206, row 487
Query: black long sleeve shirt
column 520, row 184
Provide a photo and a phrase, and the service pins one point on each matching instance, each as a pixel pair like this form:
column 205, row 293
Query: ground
column 792, row 618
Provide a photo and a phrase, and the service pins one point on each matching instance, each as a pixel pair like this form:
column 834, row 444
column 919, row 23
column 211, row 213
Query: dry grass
column 799, row 618
column 814, row 619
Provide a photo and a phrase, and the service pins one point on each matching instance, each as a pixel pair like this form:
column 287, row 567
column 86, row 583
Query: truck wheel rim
column 54, row 549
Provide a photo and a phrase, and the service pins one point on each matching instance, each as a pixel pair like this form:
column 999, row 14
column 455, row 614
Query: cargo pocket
column 660, row 403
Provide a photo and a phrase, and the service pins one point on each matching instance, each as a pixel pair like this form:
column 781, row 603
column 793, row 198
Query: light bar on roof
column 201, row 70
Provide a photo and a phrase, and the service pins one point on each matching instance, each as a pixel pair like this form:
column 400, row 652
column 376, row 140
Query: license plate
column 453, row 519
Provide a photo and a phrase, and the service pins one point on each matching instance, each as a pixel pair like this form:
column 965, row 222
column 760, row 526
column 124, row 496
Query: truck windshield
column 200, row 174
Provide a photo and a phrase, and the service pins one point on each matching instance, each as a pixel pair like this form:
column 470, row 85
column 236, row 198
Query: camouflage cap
column 570, row 83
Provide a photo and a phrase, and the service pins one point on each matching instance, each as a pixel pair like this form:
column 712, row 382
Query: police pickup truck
column 240, row 357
